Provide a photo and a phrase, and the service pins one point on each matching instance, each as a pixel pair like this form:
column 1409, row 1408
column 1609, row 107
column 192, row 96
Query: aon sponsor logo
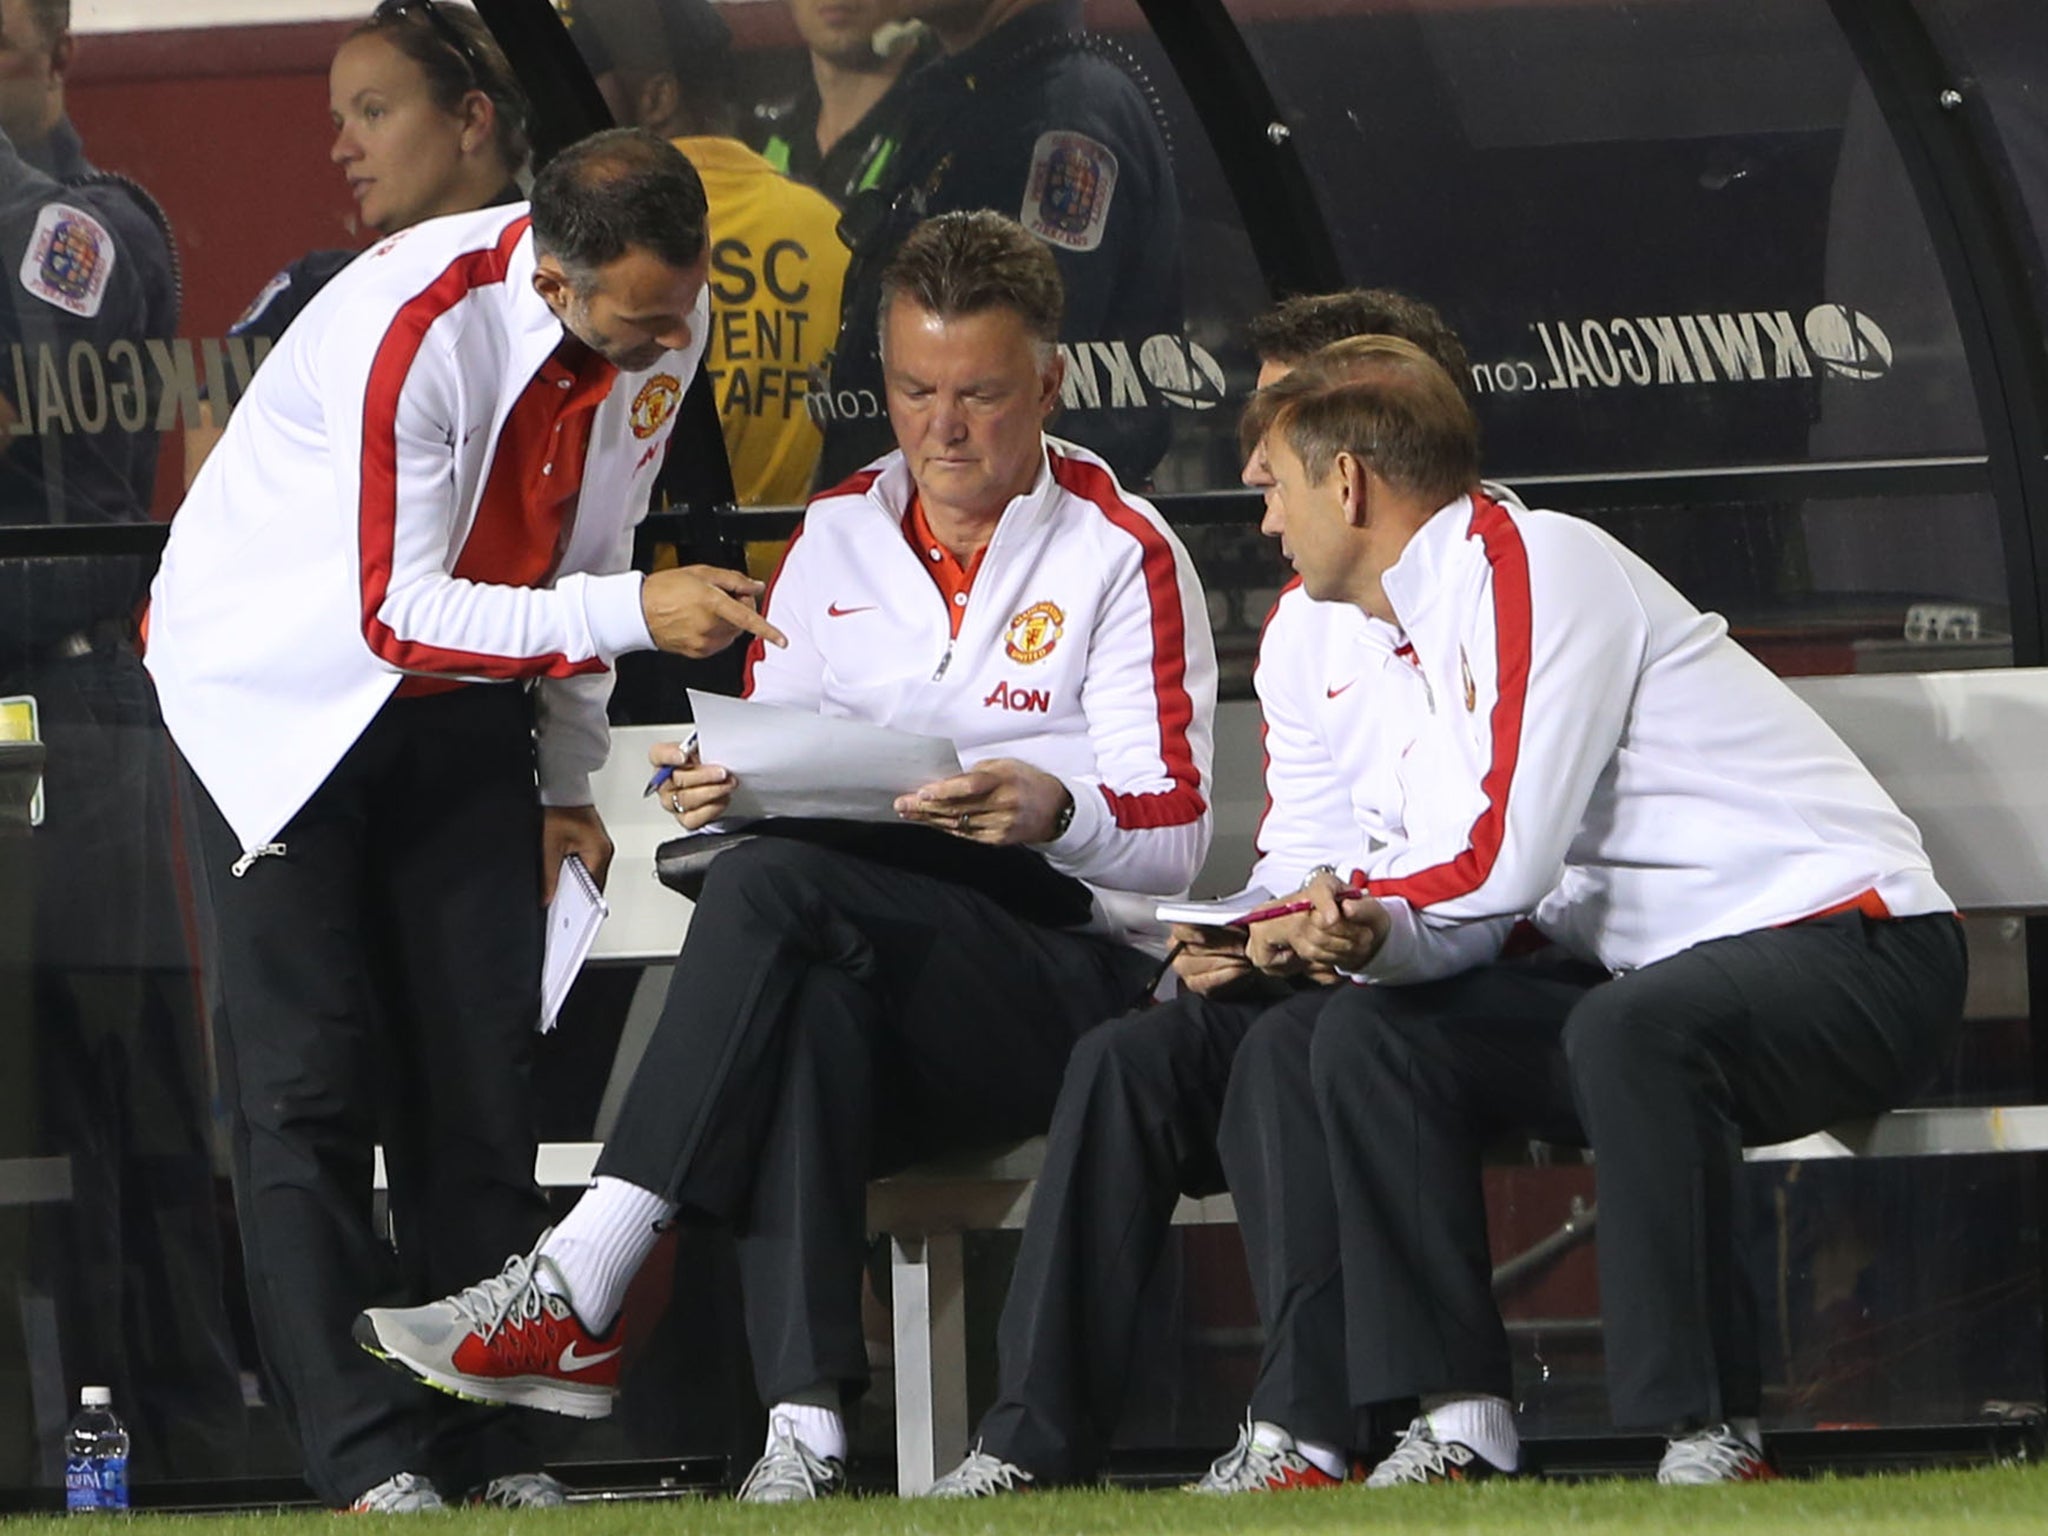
column 1009, row 696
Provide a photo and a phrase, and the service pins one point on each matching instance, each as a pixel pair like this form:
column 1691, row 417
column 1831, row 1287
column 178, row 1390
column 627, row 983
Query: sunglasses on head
column 392, row 10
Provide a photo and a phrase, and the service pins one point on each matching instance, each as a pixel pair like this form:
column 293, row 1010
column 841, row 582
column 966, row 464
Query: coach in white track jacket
column 1588, row 746
column 381, row 635
column 858, row 997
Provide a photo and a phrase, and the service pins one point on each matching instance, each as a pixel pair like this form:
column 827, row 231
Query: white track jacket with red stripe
column 1592, row 750
column 1083, row 650
column 308, row 570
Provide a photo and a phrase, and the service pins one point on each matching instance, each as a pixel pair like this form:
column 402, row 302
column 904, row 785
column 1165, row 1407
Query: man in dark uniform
column 1029, row 116
column 91, row 281
column 844, row 124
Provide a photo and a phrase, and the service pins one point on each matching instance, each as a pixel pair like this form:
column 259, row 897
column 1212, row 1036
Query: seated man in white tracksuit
column 834, row 1013
column 1587, row 747
column 1139, row 1114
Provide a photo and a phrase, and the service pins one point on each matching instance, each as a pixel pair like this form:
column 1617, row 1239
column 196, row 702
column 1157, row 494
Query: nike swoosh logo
column 1333, row 692
column 572, row 1362
column 837, row 612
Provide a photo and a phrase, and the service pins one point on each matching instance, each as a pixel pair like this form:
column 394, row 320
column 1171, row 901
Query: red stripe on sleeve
column 377, row 506
column 1464, row 874
column 1184, row 802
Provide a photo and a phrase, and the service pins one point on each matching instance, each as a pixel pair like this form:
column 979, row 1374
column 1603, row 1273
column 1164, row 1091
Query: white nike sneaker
column 505, row 1340
column 1720, row 1453
column 402, row 1493
column 790, row 1472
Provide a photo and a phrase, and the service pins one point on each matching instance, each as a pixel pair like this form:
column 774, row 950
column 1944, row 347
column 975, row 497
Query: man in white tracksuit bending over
column 1587, row 747
column 382, row 635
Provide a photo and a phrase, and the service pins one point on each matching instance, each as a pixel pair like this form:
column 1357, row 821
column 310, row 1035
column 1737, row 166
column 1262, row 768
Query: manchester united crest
column 1034, row 632
column 655, row 403
column 1068, row 191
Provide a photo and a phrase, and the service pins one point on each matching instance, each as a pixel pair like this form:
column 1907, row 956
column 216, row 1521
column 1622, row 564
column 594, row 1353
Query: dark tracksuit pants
column 1136, row 1126
column 1666, row 1072
column 379, row 981
column 831, row 1019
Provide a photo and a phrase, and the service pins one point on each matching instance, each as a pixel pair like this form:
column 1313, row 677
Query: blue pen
column 665, row 772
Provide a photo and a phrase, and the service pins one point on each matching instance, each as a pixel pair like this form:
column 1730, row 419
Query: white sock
column 1325, row 1458
column 822, row 1430
column 1487, row 1424
column 1750, row 1430
column 601, row 1245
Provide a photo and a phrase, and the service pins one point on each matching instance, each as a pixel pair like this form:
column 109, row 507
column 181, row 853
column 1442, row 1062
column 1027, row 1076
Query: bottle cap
column 95, row 1397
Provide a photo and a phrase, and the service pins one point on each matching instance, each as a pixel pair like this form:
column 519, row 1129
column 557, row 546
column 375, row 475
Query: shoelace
column 787, row 1466
column 1247, row 1464
column 982, row 1474
column 1419, row 1457
column 513, row 1296
column 1719, row 1449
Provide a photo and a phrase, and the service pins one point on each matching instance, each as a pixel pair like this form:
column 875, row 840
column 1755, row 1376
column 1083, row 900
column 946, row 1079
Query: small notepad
column 574, row 917
column 1220, row 913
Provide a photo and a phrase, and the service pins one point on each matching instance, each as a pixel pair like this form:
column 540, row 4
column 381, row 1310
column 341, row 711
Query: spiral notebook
column 574, row 917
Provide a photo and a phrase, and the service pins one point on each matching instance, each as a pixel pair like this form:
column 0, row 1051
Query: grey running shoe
column 1716, row 1454
column 1264, row 1460
column 1422, row 1458
column 403, row 1493
column 524, row 1490
column 503, row 1340
column 789, row 1472
column 980, row 1476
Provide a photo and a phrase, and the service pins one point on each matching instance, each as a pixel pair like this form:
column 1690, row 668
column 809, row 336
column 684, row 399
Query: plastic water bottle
column 95, row 1456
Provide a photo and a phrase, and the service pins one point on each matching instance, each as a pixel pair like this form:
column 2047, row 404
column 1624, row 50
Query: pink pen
column 1289, row 908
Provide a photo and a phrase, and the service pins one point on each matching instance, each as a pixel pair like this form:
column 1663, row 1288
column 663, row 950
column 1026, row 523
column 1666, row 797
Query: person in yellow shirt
column 777, row 263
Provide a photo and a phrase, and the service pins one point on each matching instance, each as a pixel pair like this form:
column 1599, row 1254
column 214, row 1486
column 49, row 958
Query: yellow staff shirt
column 777, row 266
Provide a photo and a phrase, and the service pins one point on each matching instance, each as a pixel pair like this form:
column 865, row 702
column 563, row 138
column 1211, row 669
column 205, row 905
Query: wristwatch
column 1063, row 818
column 1325, row 869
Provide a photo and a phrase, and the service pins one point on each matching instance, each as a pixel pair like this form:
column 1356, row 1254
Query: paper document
column 1220, row 913
column 792, row 762
column 574, row 917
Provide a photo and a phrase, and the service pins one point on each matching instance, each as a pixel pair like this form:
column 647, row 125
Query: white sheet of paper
column 574, row 917
column 1220, row 913
column 792, row 762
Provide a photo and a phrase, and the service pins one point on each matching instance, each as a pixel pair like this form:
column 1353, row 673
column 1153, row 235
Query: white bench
column 1960, row 752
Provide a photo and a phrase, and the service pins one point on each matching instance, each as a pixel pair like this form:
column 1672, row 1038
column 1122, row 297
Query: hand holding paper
column 793, row 762
column 999, row 802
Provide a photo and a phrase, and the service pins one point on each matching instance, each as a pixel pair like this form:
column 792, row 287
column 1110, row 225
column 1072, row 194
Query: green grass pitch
column 1985, row 1501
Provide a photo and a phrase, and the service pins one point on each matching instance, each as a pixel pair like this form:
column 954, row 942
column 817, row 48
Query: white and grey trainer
column 790, row 1472
column 402, row 1493
column 524, row 1490
column 1717, row 1454
column 981, row 1476
column 1264, row 1460
column 1422, row 1458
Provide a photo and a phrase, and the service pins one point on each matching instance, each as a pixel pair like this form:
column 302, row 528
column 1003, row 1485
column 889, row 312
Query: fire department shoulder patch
column 1068, row 190
column 655, row 403
column 1034, row 632
column 69, row 259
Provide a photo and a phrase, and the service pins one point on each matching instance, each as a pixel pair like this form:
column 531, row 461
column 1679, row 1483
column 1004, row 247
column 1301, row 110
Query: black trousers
column 831, row 1019
column 1136, row 1126
column 1666, row 1072
column 380, row 980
